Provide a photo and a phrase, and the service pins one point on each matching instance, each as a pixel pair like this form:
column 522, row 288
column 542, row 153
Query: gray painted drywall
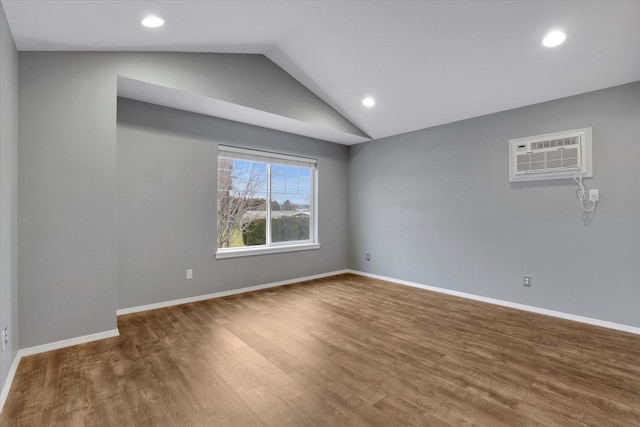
column 439, row 199
column 67, row 176
column 435, row 207
column 166, row 211
column 249, row 80
column 66, row 196
column 8, row 194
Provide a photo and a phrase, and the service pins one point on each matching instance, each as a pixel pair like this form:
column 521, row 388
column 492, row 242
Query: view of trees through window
column 263, row 202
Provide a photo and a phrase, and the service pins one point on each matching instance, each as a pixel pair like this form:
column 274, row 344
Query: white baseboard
column 146, row 307
column 517, row 306
column 7, row 384
column 29, row 351
column 49, row 347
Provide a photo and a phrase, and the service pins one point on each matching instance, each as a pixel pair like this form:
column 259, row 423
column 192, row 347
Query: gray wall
column 439, row 199
column 67, row 179
column 66, row 196
column 244, row 79
column 166, row 211
column 435, row 207
column 8, row 193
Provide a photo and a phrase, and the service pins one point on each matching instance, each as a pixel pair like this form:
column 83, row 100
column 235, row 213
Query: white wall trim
column 9, row 380
column 251, row 251
column 187, row 300
column 30, row 351
column 517, row 306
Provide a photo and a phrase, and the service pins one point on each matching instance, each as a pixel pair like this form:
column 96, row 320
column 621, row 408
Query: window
column 266, row 202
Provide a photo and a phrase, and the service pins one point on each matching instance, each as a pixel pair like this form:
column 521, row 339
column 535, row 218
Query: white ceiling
column 425, row 62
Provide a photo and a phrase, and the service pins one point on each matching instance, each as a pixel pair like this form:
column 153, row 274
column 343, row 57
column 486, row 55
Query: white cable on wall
column 582, row 194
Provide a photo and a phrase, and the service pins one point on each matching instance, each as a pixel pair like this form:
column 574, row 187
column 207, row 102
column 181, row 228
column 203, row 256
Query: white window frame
column 273, row 247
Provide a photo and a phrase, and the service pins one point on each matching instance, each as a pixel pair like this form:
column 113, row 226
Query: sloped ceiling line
column 169, row 97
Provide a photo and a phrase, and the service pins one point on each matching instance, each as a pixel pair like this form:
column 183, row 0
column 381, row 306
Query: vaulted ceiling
column 425, row 62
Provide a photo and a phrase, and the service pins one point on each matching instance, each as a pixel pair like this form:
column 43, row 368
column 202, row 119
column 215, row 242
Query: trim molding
column 517, row 306
column 234, row 253
column 30, row 351
column 9, row 380
column 187, row 300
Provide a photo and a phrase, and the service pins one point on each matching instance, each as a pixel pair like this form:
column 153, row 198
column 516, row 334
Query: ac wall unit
column 557, row 155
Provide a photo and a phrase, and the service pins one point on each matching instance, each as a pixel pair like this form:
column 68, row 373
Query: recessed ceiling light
column 554, row 38
column 368, row 102
column 153, row 22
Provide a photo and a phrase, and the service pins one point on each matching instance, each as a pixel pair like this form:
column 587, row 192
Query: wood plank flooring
column 340, row 351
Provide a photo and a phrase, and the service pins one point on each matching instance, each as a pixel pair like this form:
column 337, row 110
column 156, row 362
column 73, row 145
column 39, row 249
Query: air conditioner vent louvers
column 553, row 143
column 565, row 158
column 550, row 156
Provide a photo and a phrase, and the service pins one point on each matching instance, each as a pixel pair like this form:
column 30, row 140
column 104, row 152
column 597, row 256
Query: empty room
column 319, row 213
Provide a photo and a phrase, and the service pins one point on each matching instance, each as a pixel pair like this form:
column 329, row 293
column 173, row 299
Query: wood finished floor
column 340, row 351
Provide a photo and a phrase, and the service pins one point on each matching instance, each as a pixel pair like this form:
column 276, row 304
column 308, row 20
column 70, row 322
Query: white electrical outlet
column 5, row 337
column 594, row 195
column 189, row 274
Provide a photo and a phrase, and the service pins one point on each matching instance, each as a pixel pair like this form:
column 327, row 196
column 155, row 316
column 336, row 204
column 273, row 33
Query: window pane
column 277, row 184
column 256, row 231
column 292, row 185
column 290, row 226
column 242, row 196
column 252, row 182
column 292, row 171
column 277, row 170
column 292, row 221
column 305, row 185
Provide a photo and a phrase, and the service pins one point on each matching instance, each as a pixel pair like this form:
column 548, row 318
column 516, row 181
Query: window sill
column 233, row 253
